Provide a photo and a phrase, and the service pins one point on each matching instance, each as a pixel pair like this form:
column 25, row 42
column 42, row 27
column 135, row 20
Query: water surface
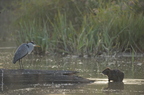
column 90, row 68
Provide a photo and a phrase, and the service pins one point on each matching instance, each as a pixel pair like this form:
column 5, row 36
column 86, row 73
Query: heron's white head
column 32, row 43
column 31, row 46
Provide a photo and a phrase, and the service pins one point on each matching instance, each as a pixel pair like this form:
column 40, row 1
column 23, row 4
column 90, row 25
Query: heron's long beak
column 36, row 46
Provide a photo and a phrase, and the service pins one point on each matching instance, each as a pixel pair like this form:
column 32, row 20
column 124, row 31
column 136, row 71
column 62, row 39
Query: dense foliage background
column 75, row 26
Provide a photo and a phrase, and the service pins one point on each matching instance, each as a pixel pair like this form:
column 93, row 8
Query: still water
column 89, row 68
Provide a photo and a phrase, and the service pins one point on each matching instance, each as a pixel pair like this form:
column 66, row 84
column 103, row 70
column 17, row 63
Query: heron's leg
column 19, row 64
column 30, row 57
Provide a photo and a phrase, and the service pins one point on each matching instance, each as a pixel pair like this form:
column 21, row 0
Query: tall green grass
column 81, row 26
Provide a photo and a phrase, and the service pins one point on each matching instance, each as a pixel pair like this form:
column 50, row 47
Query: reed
column 80, row 27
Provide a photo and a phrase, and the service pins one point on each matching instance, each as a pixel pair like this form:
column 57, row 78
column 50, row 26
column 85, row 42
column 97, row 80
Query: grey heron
column 22, row 51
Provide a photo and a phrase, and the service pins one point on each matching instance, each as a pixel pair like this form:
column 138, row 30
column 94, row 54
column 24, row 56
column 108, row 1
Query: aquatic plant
column 81, row 26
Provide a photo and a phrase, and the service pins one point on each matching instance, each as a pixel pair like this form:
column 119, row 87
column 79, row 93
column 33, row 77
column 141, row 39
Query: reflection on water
column 91, row 68
column 75, row 89
column 114, row 87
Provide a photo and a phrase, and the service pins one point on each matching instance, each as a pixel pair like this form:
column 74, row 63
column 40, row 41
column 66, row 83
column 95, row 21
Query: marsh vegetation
column 79, row 26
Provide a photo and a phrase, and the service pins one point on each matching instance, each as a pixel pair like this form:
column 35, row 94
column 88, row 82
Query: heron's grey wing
column 20, row 52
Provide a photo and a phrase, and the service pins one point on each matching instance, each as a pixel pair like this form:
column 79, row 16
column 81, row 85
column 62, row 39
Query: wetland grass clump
column 82, row 26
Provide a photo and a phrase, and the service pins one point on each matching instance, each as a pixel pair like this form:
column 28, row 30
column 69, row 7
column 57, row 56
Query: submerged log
column 40, row 76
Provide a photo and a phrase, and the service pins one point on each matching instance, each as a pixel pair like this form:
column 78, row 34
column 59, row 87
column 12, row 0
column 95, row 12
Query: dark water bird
column 22, row 51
